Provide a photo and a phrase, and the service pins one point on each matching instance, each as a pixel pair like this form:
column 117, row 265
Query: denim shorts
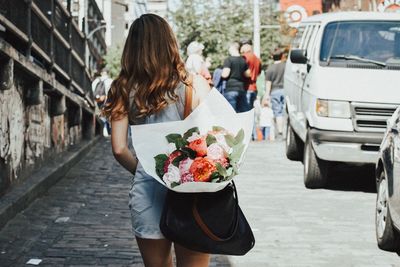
column 277, row 102
column 146, row 200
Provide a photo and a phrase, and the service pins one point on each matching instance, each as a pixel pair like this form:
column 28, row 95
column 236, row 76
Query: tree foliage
column 217, row 23
column 113, row 61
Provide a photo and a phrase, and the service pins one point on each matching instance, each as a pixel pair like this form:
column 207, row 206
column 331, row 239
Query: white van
column 342, row 82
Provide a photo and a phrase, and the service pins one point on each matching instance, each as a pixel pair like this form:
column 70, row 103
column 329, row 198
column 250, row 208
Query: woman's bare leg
column 155, row 252
column 190, row 258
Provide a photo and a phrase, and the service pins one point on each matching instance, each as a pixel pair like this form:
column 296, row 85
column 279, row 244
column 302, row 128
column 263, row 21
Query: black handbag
column 207, row 222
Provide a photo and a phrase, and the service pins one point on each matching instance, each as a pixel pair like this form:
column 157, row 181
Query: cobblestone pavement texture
column 84, row 219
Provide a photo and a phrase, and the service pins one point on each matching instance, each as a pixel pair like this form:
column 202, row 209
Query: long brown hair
column 151, row 67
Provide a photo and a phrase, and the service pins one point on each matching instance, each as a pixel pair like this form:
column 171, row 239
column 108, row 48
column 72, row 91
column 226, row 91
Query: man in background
column 274, row 89
column 254, row 64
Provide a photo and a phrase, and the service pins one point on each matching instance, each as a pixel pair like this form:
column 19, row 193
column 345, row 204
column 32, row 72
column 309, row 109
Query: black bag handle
column 203, row 226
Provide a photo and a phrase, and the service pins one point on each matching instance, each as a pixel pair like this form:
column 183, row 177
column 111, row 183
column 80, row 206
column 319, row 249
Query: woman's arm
column 119, row 143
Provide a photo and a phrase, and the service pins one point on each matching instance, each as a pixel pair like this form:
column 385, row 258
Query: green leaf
column 189, row 152
column 218, row 128
column 210, row 139
column 230, row 140
column 190, row 132
column 215, row 176
column 173, row 184
column 239, row 137
column 229, row 171
column 178, row 159
column 160, row 162
column 171, row 138
column 237, row 152
column 180, row 143
column 221, row 169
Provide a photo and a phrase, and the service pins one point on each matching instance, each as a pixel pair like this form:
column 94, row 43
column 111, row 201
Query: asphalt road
column 295, row 226
column 84, row 219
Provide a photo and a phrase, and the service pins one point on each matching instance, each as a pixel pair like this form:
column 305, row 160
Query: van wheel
column 294, row 145
column 386, row 235
column 315, row 169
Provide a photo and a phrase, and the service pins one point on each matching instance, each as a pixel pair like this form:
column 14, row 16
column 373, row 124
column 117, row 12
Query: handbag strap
column 188, row 99
column 203, row 226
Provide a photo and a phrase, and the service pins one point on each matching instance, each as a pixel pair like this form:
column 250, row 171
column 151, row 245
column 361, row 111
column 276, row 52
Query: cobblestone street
column 84, row 219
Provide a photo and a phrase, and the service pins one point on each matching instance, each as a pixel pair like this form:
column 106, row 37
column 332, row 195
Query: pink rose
column 215, row 152
column 224, row 162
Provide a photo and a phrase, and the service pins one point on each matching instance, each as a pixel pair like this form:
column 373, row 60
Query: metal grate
column 61, row 21
column 77, row 72
column 40, row 33
column 371, row 117
column 15, row 11
column 44, row 6
column 61, row 55
column 78, row 43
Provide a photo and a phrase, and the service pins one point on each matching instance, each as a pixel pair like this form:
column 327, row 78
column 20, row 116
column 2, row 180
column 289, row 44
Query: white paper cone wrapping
column 149, row 139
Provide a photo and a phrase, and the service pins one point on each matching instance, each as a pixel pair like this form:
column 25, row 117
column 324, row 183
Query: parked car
column 341, row 85
column 387, row 212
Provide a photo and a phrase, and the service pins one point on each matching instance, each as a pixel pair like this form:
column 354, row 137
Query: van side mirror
column 298, row 56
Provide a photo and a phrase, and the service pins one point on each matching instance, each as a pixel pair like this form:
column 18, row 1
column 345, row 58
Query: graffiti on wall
column 37, row 133
column 12, row 128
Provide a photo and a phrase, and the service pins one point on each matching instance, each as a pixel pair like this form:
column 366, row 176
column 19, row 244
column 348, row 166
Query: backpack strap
column 188, row 100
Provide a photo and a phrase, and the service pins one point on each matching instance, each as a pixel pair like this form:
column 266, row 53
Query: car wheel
column 315, row 169
column 294, row 145
column 386, row 235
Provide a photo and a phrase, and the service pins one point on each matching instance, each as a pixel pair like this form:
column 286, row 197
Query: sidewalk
column 83, row 220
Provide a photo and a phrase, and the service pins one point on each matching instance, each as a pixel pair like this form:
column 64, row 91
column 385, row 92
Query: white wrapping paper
column 149, row 139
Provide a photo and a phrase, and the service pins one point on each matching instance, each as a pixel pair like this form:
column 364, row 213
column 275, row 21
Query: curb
column 20, row 197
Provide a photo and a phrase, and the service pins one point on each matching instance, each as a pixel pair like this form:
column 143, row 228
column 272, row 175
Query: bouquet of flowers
column 194, row 157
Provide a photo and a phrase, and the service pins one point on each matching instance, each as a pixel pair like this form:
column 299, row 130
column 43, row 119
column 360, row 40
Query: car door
column 291, row 76
column 394, row 183
column 302, row 77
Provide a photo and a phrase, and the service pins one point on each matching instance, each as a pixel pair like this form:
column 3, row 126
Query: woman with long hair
column 149, row 89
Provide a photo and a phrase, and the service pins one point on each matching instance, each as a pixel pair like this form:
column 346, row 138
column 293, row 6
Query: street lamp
column 95, row 30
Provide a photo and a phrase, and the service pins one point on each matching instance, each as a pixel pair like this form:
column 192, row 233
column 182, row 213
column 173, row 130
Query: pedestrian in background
column 195, row 62
column 100, row 86
column 274, row 89
column 235, row 70
column 151, row 89
column 254, row 64
column 218, row 82
column 266, row 119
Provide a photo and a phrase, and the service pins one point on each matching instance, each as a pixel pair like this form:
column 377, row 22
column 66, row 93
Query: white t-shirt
column 266, row 117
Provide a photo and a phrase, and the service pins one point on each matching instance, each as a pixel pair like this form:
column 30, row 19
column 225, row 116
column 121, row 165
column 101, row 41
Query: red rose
column 171, row 157
column 202, row 168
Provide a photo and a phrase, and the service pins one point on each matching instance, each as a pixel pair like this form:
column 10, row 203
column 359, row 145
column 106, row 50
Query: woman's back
column 172, row 112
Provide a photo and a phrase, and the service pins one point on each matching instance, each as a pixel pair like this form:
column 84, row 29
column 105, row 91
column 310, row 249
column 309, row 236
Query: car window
column 372, row 40
column 311, row 43
column 297, row 40
column 307, row 35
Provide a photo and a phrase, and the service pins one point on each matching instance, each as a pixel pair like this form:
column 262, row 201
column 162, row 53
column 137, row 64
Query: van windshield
column 368, row 42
